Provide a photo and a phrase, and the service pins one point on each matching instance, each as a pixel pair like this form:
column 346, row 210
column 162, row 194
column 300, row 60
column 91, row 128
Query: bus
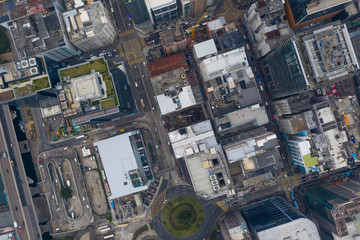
column 103, row 174
column 109, row 236
column 105, row 230
column 102, row 227
column 80, row 136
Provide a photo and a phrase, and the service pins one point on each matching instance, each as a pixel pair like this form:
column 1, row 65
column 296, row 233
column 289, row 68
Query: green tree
column 66, row 193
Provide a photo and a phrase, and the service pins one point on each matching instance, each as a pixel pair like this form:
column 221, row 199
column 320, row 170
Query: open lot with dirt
column 96, row 192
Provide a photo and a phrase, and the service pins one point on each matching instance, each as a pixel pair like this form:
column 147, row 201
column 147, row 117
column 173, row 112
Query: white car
column 157, row 147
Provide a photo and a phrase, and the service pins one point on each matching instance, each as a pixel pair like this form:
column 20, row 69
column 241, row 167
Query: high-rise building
column 185, row 9
column 284, row 71
column 173, row 40
column 293, row 104
column 88, row 25
column 199, row 7
column 41, row 34
column 274, row 218
column 137, row 10
column 335, row 207
column 301, row 13
column 162, row 11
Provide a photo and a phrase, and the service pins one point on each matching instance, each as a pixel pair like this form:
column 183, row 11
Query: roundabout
column 183, row 216
column 209, row 216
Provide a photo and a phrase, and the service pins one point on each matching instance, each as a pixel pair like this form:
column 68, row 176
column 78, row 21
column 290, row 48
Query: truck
column 112, row 203
column 4, row 154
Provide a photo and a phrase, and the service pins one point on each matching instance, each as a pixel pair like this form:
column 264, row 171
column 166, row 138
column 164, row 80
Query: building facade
column 162, row 12
column 87, row 25
column 137, row 10
column 274, row 218
column 335, row 207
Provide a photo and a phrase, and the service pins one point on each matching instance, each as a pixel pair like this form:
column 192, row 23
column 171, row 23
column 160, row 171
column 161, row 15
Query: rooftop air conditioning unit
column 215, row 182
column 212, row 177
column 216, row 187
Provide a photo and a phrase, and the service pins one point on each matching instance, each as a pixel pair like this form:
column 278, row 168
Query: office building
column 173, row 40
column 22, row 79
column 162, row 11
column 87, row 93
column 226, row 35
column 127, row 168
column 205, row 162
column 253, row 157
column 41, row 34
column 335, row 207
column 138, row 10
column 274, row 218
column 266, row 21
column 297, row 123
column 293, row 104
column 235, row 226
column 242, row 119
column 87, row 25
column 185, row 9
column 330, row 53
column 301, row 155
column 301, row 13
column 284, row 71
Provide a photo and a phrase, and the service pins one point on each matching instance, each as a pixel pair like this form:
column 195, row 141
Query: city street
column 15, row 180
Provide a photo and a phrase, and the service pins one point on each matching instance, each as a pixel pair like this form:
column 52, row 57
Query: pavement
column 212, row 214
column 15, row 181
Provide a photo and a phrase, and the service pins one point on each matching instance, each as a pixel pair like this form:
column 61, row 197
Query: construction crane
column 192, row 29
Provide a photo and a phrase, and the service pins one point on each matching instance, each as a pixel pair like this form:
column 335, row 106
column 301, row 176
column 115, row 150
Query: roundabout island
column 183, row 216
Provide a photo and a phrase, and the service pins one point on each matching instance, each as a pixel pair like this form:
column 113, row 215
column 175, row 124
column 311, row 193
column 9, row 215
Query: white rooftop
column 205, row 48
column 216, row 24
column 118, row 159
column 243, row 116
column 225, row 63
column 186, row 99
column 301, row 228
column 86, row 87
column 326, row 114
column 198, row 137
column 154, row 4
column 335, row 140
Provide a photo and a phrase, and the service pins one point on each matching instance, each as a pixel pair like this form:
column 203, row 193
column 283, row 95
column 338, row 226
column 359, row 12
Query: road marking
column 158, row 204
column 222, row 206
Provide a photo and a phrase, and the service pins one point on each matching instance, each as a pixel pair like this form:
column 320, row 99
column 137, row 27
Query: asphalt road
column 212, row 214
column 19, row 196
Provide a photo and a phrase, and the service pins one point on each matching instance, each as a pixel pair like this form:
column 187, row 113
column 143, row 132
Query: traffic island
column 182, row 216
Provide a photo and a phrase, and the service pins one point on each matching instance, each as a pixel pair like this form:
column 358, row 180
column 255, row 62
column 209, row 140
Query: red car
column 20, row 229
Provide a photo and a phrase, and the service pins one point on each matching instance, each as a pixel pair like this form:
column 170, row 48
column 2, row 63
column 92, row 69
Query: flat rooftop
column 118, row 159
column 36, row 34
column 330, row 52
column 216, row 24
column 205, row 48
column 193, row 139
column 85, row 21
column 167, row 64
column 173, row 91
column 222, row 64
column 157, row 4
column 87, row 88
column 254, row 115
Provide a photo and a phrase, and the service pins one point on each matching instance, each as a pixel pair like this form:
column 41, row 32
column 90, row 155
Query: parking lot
column 59, row 169
column 92, row 179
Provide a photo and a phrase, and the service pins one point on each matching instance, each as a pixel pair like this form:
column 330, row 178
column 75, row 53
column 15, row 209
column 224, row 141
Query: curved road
column 212, row 213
